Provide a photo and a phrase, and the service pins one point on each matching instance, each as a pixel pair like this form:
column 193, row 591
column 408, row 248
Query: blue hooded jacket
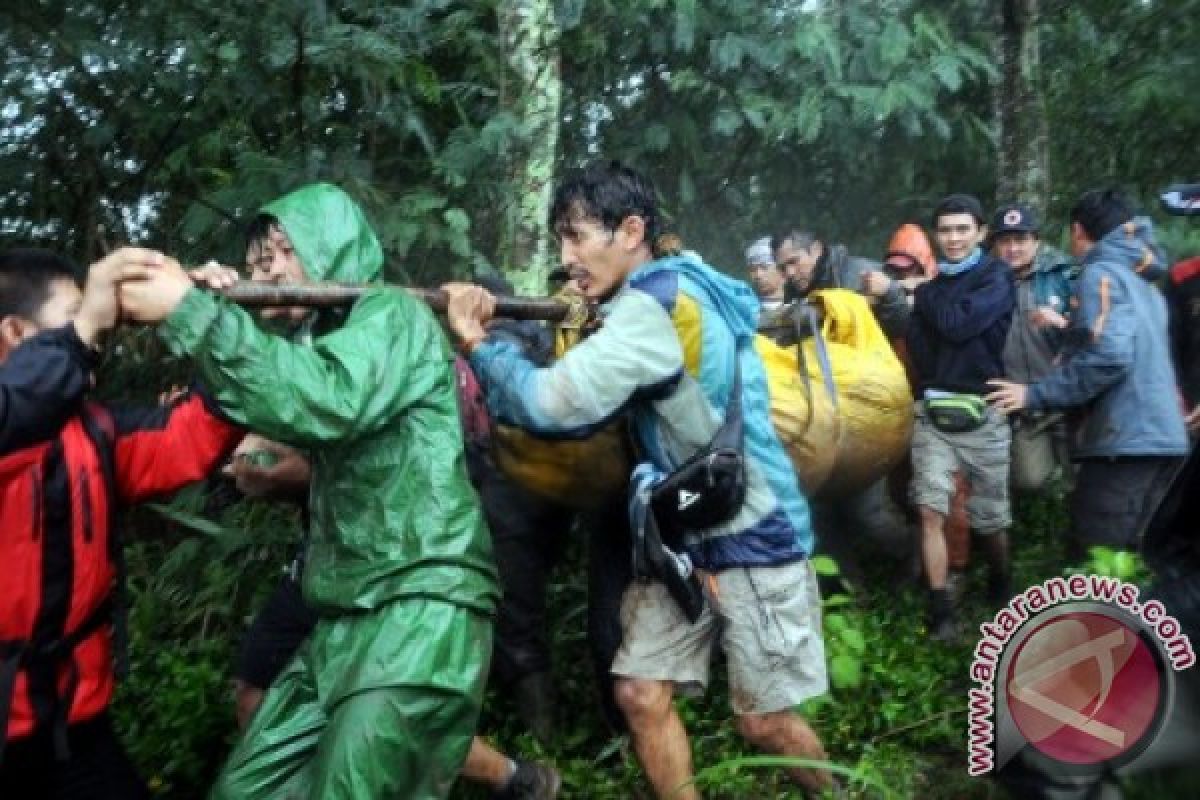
column 1117, row 360
column 665, row 353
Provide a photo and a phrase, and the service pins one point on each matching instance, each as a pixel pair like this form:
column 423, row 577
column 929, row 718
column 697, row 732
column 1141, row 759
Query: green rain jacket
column 373, row 403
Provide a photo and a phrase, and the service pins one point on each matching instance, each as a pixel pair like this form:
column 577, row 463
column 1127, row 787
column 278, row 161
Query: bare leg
column 487, row 766
column 933, row 547
column 659, row 738
column 786, row 733
column 246, row 699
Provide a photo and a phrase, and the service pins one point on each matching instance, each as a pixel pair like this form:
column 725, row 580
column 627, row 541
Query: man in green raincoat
column 383, row 698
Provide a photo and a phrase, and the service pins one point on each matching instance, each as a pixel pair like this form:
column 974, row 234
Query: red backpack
column 472, row 408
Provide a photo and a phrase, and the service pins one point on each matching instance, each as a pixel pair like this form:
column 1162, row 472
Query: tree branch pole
column 257, row 294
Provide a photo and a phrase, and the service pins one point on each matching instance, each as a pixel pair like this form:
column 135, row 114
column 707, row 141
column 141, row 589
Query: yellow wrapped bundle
column 838, row 444
column 803, row 414
column 874, row 403
column 579, row 473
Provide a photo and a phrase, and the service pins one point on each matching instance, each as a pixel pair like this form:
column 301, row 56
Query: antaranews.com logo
column 1076, row 668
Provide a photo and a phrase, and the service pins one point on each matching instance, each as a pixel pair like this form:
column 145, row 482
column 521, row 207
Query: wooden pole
column 257, row 294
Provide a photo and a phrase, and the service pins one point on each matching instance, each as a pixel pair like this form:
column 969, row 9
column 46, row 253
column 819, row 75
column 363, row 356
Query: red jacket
column 58, row 495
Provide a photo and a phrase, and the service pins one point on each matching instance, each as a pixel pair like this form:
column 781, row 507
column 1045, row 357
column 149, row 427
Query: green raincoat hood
column 372, row 401
column 331, row 234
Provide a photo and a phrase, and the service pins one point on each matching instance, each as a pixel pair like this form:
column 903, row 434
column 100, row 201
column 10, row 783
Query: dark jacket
column 59, row 489
column 41, row 384
column 837, row 269
column 959, row 326
column 1183, row 296
column 1117, row 363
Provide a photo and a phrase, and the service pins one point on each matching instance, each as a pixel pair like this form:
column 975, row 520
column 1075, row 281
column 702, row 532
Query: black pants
column 1114, row 498
column 98, row 768
column 528, row 534
column 610, row 571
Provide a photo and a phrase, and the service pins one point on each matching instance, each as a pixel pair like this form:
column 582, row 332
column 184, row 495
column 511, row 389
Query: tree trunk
column 1022, row 162
column 530, row 33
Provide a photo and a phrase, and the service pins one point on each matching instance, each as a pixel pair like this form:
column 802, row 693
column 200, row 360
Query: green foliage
column 1124, row 565
column 169, row 123
column 1120, row 92
column 195, row 576
column 794, row 114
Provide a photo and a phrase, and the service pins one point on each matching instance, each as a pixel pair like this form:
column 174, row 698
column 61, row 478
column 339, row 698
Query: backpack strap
column 101, row 429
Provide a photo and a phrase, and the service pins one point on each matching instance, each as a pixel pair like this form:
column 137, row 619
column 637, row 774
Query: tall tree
column 1022, row 155
column 529, row 31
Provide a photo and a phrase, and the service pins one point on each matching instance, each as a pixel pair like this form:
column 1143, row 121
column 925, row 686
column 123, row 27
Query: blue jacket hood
column 1133, row 245
column 732, row 299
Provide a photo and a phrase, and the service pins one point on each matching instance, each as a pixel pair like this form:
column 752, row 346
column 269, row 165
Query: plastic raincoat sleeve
column 636, row 349
column 975, row 312
column 1109, row 322
column 347, row 385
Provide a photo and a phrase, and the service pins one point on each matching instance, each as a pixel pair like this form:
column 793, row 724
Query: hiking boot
column 999, row 588
column 534, row 698
column 944, row 630
column 531, row 781
column 943, row 627
column 956, row 585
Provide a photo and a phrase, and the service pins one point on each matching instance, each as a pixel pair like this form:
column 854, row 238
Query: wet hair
column 259, row 229
column 959, row 204
column 25, row 277
column 1100, row 210
column 801, row 240
column 607, row 192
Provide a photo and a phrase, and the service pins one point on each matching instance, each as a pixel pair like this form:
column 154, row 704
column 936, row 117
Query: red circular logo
column 1083, row 688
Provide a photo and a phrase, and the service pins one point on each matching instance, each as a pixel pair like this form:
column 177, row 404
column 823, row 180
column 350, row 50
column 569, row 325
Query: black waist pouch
column 956, row 413
column 706, row 490
column 709, row 488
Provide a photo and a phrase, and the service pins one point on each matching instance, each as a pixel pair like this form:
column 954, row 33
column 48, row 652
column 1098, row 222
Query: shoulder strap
column 101, row 429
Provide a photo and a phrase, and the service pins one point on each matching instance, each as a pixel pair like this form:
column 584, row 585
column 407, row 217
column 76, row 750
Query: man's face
column 798, row 263
column 1018, row 248
column 958, row 235
column 272, row 259
column 63, row 299
column 1081, row 243
column 767, row 280
column 597, row 259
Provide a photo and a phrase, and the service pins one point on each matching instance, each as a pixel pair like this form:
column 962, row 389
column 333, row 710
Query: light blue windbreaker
column 665, row 353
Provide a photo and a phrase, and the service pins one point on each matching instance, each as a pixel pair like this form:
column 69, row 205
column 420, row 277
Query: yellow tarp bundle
column 579, row 473
column 843, row 429
column 874, row 402
column 803, row 414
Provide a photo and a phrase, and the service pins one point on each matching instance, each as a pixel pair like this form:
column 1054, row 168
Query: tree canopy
column 169, row 122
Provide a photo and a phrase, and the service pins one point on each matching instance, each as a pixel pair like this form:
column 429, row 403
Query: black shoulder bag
column 706, row 490
column 709, row 488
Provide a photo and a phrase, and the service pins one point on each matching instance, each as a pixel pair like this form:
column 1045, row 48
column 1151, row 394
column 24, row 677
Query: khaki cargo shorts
column 767, row 621
column 982, row 455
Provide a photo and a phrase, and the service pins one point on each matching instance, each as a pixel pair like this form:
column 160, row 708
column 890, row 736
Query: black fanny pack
column 709, row 488
column 706, row 490
column 956, row 413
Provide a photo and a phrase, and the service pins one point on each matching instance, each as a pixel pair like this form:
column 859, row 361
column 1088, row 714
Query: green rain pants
column 374, row 706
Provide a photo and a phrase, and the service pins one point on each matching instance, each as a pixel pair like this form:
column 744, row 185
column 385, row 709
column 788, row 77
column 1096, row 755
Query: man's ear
column 632, row 231
column 13, row 331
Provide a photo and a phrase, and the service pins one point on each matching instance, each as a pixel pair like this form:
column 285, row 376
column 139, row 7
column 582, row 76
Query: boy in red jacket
column 66, row 465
